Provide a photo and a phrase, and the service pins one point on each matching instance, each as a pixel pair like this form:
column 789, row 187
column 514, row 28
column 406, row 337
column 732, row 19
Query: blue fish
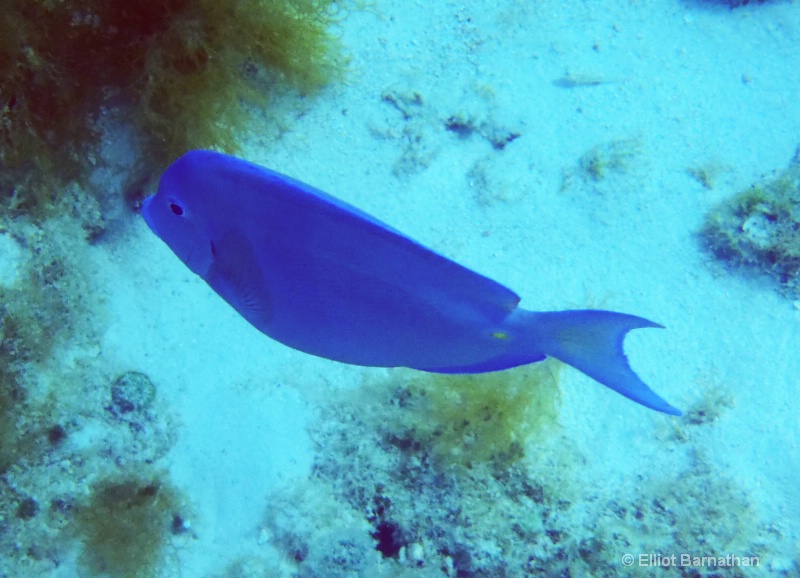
column 325, row 278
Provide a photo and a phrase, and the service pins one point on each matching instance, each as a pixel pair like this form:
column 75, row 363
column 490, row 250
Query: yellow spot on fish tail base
column 500, row 335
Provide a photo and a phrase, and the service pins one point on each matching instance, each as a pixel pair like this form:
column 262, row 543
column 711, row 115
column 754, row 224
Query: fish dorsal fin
column 235, row 274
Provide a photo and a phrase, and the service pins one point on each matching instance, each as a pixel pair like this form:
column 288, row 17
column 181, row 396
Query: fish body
column 582, row 80
column 324, row 277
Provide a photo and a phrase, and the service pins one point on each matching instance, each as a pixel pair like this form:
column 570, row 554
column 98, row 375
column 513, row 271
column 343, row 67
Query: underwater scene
column 399, row 289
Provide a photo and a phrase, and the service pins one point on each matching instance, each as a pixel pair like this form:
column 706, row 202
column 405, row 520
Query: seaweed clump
column 126, row 525
column 179, row 70
column 464, row 420
column 759, row 229
column 611, row 157
column 48, row 304
column 601, row 163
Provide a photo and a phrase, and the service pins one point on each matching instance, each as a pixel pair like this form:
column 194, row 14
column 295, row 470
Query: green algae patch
column 612, row 157
column 48, row 305
column 11, row 393
column 759, row 229
column 216, row 53
column 126, row 525
column 181, row 71
column 602, row 164
column 463, row 420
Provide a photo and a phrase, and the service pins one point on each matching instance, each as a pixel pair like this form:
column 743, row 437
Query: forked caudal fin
column 591, row 341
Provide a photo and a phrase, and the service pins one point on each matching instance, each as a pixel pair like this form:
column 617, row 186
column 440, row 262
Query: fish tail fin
column 591, row 341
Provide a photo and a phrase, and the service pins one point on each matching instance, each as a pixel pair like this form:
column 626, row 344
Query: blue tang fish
column 325, row 278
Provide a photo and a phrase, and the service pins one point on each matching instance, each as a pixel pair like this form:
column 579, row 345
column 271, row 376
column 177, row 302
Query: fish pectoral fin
column 235, row 274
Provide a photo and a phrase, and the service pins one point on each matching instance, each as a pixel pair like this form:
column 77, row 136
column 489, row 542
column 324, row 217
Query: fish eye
column 176, row 209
